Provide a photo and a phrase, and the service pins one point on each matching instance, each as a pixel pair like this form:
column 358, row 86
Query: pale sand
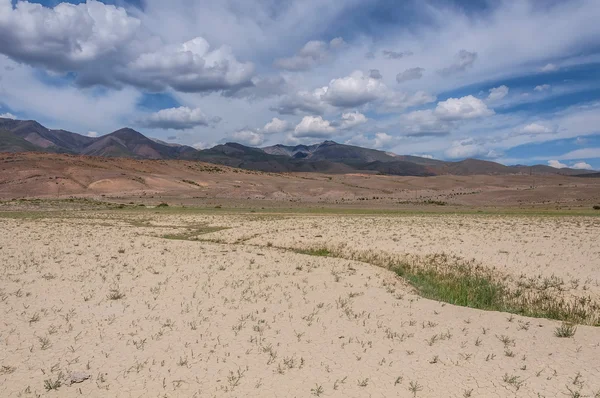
column 195, row 314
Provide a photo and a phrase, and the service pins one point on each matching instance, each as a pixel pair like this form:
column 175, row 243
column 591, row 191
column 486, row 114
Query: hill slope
column 326, row 157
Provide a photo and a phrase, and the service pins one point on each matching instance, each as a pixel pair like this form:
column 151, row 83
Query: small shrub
column 163, row 204
column 115, row 294
column 565, row 330
column 596, row 207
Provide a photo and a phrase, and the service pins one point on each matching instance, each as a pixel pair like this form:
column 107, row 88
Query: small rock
column 77, row 377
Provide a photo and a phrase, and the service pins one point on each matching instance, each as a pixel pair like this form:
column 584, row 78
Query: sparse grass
column 415, row 387
column 440, row 277
column 115, row 294
column 7, row 369
column 565, row 330
column 317, row 391
column 194, row 233
column 513, row 380
column 319, row 252
column 53, row 384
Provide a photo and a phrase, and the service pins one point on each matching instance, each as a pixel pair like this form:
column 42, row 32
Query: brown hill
column 45, row 175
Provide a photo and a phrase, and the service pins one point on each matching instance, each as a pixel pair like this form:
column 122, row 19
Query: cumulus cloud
column 7, row 115
column 498, row 93
column 410, row 74
column 395, row 54
column 302, row 102
column 92, row 134
column 463, row 60
column 582, row 166
column 384, row 140
column 312, row 54
column 468, row 149
column 467, row 107
column 354, row 90
column 202, row 145
column 276, row 126
column 352, row 119
column 549, row 68
column 104, row 45
column 378, row 141
column 314, row 127
column 535, row 128
column 542, row 87
column 248, row 137
column 556, row 164
column 181, row 118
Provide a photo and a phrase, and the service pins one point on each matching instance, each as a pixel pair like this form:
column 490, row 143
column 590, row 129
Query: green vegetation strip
column 470, row 285
column 194, row 233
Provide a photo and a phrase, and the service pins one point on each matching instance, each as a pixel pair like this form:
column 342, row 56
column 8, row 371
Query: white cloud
column 468, row 148
column 92, row 134
column 535, row 128
column 314, row 127
column 542, row 87
column 467, row 107
column 7, row 115
column 549, row 68
column 312, row 54
column 182, row 118
column 354, row 90
column 384, row 140
column 581, row 166
column 105, row 45
column 586, row 153
column 423, row 155
column 410, row 74
column 302, row 102
column 248, row 137
column 189, row 67
column 556, row 164
column 202, row 145
column 463, row 60
column 378, row 141
column 352, row 119
column 498, row 93
column 276, row 126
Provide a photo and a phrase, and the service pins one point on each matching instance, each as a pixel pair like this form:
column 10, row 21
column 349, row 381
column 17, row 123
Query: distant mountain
column 130, row 143
column 9, row 142
column 40, row 136
column 325, row 157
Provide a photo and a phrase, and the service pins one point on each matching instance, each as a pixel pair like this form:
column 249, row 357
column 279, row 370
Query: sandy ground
column 106, row 297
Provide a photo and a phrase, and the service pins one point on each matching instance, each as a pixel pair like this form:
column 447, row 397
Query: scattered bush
column 565, row 330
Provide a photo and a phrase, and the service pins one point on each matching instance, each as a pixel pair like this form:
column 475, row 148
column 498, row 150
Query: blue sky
column 512, row 82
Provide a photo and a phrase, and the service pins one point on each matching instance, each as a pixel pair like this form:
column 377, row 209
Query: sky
column 512, row 81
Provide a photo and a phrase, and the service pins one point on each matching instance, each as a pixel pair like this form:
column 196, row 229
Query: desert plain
column 171, row 279
column 173, row 302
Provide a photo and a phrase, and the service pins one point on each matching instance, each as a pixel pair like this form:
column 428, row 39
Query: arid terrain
column 29, row 175
column 174, row 302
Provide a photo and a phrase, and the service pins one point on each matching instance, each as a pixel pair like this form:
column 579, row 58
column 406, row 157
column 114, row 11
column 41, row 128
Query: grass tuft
column 565, row 330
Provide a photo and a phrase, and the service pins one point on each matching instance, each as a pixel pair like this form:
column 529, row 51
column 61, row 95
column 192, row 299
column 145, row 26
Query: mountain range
column 325, row 157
